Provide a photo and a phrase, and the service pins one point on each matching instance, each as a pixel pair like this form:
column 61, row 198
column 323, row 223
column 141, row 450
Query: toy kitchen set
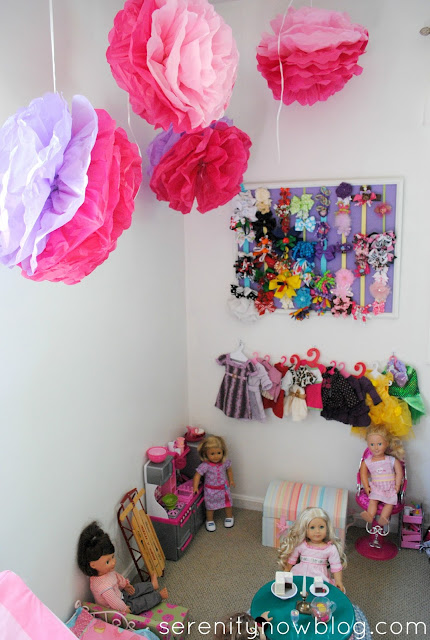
column 175, row 511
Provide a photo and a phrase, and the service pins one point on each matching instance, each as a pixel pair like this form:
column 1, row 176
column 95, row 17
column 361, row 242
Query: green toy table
column 340, row 626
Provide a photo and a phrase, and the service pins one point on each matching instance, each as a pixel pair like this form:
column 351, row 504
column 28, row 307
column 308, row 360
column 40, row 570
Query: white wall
column 92, row 374
column 373, row 127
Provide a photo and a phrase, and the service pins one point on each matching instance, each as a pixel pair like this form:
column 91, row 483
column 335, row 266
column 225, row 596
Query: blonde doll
column 218, row 479
column 381, row 473
column 312, row 538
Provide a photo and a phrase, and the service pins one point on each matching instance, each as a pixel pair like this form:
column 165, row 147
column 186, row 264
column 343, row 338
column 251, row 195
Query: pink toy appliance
column 375, row 545
column 176, row 526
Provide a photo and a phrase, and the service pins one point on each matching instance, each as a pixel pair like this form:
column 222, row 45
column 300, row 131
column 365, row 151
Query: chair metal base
column 375, row 546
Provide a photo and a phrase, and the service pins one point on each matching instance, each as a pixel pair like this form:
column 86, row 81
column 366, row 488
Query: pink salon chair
column 375, row 545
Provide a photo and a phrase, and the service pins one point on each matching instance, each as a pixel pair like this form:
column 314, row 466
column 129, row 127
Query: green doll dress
column 410, row 393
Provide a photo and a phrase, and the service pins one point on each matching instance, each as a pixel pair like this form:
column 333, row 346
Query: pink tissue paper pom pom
column 114, row 175
column 177, row 59
column 318, row 50
column 207, row 166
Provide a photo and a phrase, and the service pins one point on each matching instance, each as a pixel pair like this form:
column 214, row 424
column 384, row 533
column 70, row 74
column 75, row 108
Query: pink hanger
column 342, row 370
column 361, row 367
column 295, row 359
column 312, row 362
column 333, row 363
column 267, row 357
column 255, row 357
column 283, row 359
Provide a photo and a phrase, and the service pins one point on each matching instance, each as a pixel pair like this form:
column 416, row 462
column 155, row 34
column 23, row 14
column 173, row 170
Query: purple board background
column 374, row 223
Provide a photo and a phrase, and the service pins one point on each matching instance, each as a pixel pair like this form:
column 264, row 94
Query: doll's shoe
column 210, row 525
column 229, row 523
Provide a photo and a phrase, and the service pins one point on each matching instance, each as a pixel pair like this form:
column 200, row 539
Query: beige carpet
column 221, row 571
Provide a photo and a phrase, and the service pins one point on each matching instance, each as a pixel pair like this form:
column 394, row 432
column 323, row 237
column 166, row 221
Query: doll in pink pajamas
column 312, row 540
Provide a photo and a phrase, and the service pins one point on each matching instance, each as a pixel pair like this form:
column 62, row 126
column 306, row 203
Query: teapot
column 322, row 608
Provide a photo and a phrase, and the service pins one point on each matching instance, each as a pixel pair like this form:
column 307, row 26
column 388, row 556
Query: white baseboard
column 247, row 502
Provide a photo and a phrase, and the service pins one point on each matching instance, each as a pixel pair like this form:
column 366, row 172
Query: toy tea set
column 321, row 607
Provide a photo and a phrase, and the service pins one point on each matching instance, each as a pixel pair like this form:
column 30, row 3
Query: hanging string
column 51, row 23
column 282, row 82
column 131, row 128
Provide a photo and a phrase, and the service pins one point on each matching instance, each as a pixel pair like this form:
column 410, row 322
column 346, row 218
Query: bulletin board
column 339, row 237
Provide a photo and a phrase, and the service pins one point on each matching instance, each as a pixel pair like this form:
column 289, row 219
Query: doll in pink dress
column 381, row 473
column 96, row 558
column 216, row 468
column 312, row 540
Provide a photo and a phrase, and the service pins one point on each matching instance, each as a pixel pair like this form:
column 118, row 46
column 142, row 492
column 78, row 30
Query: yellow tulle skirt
column 392, row 412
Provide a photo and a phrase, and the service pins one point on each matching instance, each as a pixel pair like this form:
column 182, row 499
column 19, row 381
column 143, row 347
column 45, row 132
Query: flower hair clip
column 361, row 245
column 324, row 202
column 359, row 312
column 244, row 205
column 342, row 220
column 383, row 209
column 244, row 266
column 263, row 200
column 264, row 225
column 341, row 307
column 365, row 196
column 282, row 209
column 264, row 302
column 323, row 229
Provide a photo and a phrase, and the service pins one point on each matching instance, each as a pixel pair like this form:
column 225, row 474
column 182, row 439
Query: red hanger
column 312, row 362
column 283, row 359
column 361, row 367
column 295, row 359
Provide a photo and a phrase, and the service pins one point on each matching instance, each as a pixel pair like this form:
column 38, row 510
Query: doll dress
column 392, row 412
column 338, row 396
column 314, row 561
column 295, row 382
column 382, row 479
column 277, row 405
column 410, row 393
column 233, row 394
column 255, row 384
column 216, row 488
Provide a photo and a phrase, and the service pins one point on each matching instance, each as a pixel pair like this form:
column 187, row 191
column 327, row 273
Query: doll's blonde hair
column 212, row 442
column 297, row 534
column 395, row 445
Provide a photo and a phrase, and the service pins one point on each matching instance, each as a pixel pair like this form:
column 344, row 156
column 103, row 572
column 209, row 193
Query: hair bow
column 264, row 225
column 282, row 525
column 343, row 247
column 324, row 199
column 308, row 224
column 301, row 205
column 328, row 252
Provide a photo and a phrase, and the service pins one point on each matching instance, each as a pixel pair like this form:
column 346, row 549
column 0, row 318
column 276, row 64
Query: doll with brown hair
column 242, row 626
column 216, row 468
column 96, row 558
column 312, row 539
column 381, row 473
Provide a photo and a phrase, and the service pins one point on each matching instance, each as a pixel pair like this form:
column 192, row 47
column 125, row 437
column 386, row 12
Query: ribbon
column 305, row 225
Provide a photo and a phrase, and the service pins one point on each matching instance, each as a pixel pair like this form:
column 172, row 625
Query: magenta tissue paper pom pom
column 177, row 59
column 207, row 166
column 318, row 49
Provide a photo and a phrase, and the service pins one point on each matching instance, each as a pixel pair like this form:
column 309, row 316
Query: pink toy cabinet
column 411, row 527
column 175, row 527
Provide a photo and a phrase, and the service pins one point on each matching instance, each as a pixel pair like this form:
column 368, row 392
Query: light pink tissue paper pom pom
column 177, row 59
column 318, row 49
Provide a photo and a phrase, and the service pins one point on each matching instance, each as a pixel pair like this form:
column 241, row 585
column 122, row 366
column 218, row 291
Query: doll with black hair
column 96, row 559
